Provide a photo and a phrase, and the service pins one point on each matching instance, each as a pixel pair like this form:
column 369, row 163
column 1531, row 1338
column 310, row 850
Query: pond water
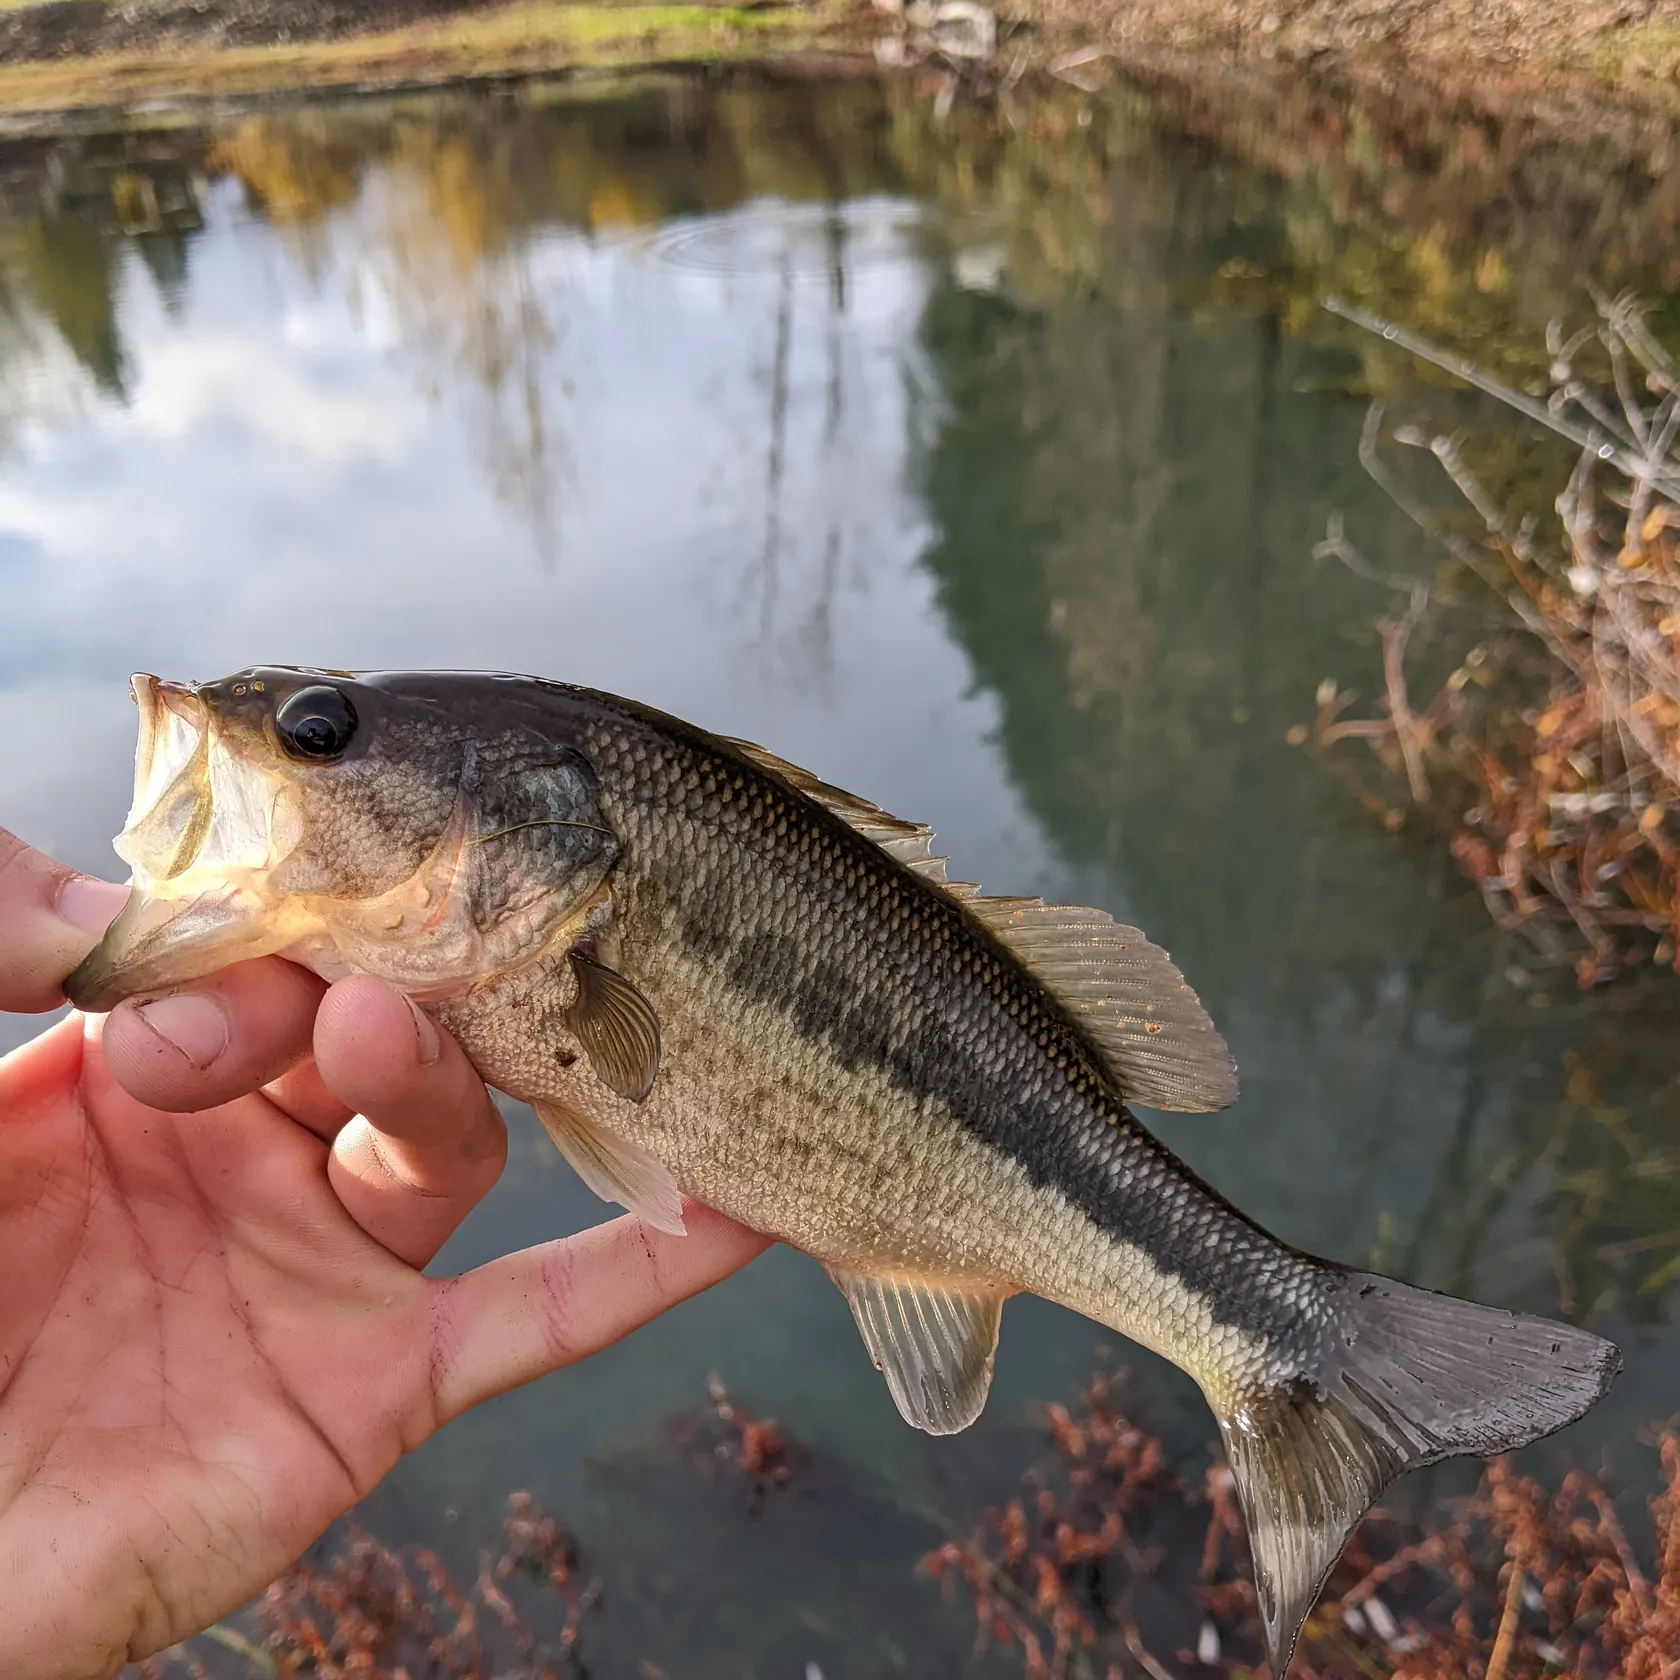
column 978, row 467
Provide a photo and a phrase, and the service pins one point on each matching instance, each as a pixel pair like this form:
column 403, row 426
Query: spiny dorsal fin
column 933, row 1342
column 1154, row 1035
column 911, row 843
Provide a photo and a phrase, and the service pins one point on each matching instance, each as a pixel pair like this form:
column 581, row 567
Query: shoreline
column 1574, row 71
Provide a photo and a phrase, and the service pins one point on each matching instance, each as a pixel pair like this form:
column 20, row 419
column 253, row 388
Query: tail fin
column 1409, row 1378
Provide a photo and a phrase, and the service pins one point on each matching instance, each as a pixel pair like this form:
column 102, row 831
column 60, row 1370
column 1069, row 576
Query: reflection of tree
column 68, row 268
column 165, row 255
column 1128, row 495
column 295, row 171
column 1408, row 208
column 453, row 257
column 775, row 454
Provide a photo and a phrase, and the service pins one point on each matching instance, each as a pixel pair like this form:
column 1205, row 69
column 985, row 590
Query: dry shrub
column 372, row 1612
column 1550, row 758
column 1521, row 1582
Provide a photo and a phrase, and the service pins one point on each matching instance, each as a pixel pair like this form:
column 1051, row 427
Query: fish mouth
column 206, row 826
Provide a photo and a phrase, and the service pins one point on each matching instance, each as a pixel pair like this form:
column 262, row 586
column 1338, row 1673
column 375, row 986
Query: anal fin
column 934, row 1343
column 617, row 1171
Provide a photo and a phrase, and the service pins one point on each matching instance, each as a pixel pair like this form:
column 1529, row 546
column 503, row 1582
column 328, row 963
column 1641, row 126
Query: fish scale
column 714, row 975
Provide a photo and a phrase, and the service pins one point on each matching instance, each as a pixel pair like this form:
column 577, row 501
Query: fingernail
column 190, row 1021
column 430, row 1048
column 89, row 903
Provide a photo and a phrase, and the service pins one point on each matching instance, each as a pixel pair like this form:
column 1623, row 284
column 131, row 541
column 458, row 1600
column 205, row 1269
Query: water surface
column 978, row 468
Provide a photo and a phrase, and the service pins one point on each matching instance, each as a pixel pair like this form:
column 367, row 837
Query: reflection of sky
column 279, row 489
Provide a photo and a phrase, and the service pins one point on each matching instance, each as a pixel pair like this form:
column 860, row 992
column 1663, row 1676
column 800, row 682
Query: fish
column 714, row 975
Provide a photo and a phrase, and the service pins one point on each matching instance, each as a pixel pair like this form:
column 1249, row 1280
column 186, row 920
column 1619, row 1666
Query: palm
column 211, row 1357
column 205, row 1356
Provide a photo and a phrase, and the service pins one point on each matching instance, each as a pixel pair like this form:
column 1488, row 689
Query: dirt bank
column 106, row 59
column 1554, row 48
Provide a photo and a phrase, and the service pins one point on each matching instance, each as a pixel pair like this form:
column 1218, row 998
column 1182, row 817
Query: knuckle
column 557, row 1310
column 18, row 862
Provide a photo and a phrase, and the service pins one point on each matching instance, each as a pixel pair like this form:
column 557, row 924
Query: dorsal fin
column 1128, row 995
column 911, row 843
column 1154, row 1036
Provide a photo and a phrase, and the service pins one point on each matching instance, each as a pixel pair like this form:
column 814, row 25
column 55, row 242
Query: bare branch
column 1599, row 441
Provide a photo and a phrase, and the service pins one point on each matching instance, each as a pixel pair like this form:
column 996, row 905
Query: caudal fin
column 1409, row 1378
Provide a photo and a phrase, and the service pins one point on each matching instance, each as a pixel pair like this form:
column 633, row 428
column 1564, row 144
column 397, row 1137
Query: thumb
column 50, row 918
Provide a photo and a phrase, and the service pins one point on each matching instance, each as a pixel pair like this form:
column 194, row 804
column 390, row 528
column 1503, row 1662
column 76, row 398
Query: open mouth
column 206, row 826
column 173, row 805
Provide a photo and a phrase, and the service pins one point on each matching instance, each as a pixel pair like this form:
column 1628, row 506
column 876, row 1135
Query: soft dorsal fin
column 934, row 1343
column 1127, row 994
column 1124, row 990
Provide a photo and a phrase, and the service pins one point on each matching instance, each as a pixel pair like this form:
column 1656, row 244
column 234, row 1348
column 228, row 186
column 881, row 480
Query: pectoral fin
column 615, row 1170
column 934, row 1344
column 617, row 1028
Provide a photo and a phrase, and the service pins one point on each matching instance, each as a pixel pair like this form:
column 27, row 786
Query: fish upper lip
column 180, row 698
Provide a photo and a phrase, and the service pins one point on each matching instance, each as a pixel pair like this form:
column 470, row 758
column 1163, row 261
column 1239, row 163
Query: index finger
column 50, row 918
column 533, row 1312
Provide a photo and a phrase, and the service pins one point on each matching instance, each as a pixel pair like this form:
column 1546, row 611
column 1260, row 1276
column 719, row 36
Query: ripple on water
column 802, row 241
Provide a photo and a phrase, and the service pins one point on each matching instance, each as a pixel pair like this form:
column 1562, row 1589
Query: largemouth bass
column 710, row 973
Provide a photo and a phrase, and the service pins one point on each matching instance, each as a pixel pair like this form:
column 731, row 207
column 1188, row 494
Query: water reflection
column 978, row 467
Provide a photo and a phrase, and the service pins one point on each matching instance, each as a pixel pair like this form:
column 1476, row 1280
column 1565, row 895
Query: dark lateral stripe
column 933, row 1017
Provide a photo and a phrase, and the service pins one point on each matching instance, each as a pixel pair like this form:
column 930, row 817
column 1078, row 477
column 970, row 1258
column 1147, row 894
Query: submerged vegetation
column 1113, row 1563
column 366, row 1610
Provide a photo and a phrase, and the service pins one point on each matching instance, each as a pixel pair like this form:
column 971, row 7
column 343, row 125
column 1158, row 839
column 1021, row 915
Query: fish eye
column 317, row 724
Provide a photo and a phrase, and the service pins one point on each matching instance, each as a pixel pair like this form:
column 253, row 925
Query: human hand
column 214, row 1333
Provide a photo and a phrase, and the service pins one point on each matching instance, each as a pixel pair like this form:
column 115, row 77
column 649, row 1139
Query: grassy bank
column 526, row 38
